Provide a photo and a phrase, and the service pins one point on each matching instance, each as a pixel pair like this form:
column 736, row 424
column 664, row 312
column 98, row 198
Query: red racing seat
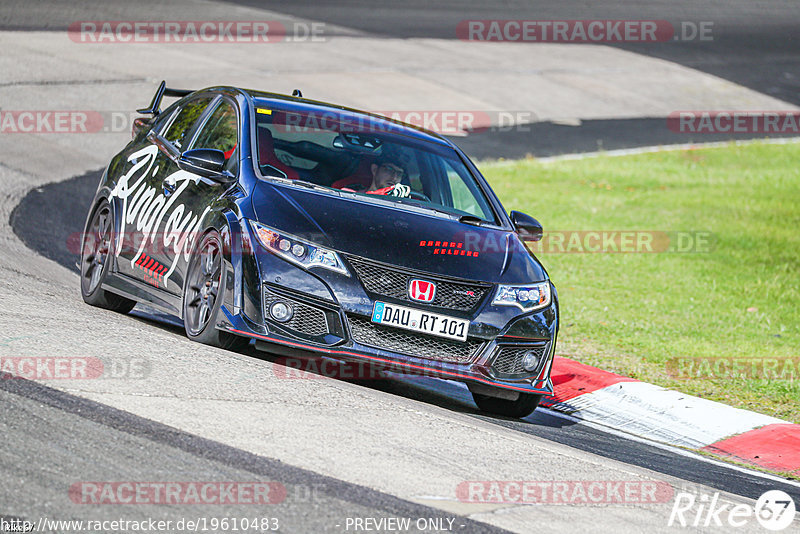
column 361, row 176
column 266, row 154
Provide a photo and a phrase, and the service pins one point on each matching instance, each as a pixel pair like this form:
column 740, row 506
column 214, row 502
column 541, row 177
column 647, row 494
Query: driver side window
column 221, row 132
column 182, row 125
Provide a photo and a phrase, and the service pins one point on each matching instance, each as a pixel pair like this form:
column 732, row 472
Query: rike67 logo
column 774, row 510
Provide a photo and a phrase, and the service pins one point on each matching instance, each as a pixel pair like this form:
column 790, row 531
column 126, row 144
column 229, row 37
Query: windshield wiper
column 303, row 183
column 418, row 204
column 466, row 219
column 310, row 185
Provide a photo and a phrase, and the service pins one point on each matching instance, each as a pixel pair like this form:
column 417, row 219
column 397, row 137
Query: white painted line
column 681, row 451
column 642, row 150
column 663, row 415
column 666, row 447
column 668, row 148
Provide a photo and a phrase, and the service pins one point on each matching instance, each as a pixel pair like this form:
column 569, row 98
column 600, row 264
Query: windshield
column 362, row 156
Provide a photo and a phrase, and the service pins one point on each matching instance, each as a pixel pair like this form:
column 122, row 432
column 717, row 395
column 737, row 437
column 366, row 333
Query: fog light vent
column 530, row 360
column 281, row 311
column 516, row 361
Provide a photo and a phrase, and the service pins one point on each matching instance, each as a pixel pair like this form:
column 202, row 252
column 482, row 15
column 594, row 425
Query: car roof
column 369, row 120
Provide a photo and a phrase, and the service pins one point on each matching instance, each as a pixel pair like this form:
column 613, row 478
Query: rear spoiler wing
column 163, row 90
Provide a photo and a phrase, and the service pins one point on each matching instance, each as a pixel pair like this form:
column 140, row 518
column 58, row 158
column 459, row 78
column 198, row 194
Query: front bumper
column 333, row 320
column 486, row 362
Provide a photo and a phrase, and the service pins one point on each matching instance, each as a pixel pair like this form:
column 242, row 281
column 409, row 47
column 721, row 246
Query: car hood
column 418, row 239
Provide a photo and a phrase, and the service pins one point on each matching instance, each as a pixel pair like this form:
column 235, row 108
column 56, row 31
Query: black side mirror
column 527, row 227
column 207, row 162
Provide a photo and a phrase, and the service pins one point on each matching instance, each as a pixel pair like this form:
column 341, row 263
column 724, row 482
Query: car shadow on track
column 453, row 396
column 450, row 395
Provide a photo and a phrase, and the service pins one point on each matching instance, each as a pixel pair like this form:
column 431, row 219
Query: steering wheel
column 416, row 195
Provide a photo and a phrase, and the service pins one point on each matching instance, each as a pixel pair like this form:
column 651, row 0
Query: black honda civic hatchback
column 322, row 230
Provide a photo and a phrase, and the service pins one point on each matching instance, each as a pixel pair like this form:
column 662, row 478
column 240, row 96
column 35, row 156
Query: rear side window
column 163, row 119
column 177, row 131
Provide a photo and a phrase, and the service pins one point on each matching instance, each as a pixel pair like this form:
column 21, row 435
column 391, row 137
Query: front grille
column 391, row 282
column 508, row 361
column 306, row 319
column 412, row 344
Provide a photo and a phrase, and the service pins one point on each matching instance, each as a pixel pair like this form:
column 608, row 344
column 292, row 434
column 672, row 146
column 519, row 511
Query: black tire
column 96, row 261
column 203, row 296
column 522, row 407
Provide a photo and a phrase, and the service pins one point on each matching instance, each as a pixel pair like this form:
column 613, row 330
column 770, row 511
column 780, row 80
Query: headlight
column 298, row 251
column 526, row 298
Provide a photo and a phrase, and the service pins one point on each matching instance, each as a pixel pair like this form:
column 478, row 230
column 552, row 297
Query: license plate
column 420, row 321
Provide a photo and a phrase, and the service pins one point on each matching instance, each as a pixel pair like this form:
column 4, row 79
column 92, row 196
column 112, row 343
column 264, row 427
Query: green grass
column 631, row 313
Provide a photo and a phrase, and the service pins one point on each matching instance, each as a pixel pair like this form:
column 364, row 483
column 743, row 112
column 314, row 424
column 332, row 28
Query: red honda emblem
column 421, row 290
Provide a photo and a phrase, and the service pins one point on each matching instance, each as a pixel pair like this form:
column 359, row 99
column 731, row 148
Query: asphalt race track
column 755, row 45
column 341, row 449
column 80, row 190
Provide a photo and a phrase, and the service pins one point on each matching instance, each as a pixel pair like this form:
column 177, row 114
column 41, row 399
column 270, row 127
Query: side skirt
column 142, row 292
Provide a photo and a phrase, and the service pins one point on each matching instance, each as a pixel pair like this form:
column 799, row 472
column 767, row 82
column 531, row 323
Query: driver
column 387, row 173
